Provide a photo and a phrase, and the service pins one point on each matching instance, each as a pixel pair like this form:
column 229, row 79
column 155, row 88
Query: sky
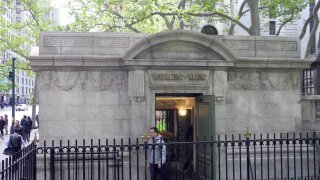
column 64, row 17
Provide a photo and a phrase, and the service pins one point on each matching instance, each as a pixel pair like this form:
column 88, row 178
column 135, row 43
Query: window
column 22, row 90
column 18, row 19
column 272, row 27
column 18, row 11
column 26, row 90
column 17, row 90
column 307, row 82
column 18, row 2
column 22, row 80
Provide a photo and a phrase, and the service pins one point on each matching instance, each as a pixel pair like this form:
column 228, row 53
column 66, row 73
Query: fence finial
column 247, row 134
column 35, row 139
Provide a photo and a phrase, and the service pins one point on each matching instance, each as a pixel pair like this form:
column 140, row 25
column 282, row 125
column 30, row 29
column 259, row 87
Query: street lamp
column 13, row 79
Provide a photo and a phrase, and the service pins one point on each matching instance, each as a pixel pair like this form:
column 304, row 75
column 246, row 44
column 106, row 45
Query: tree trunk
column 240, row 14
column 255, row 19
column 314, row 29
column 183, row 6
column 34, row 102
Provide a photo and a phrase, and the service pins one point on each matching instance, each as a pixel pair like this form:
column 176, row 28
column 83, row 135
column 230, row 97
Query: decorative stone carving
column 240, row 45
column 86, row 41
column 263, row 80
column 100, row 81
column 103, row 81
column 66, row 80
column 178, row 77
column 45, row 78
column 66, row 41
column 112, row 42
column 220, row 84
column 276, row 45
column 91, row 80
column 219, row 98
column 179, row 50
column 138, row 91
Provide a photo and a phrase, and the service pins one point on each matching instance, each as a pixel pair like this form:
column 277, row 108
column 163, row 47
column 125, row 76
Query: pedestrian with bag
column 15, row 141
column 157, row 155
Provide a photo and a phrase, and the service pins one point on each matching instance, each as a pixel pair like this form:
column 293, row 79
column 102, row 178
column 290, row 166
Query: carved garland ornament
column 65, row 81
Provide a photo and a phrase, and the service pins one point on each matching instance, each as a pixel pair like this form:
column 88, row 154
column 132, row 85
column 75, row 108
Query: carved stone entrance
column 113, row 79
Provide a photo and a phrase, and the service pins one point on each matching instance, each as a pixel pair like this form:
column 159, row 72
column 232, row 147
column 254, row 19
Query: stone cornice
column 77, row 62
column 292, row 63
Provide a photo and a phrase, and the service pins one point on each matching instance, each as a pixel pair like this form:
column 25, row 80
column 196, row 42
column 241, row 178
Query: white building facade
column 24, row 81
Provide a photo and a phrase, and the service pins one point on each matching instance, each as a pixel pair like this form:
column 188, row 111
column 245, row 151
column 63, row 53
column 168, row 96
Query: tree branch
column 285, row 22
column 314, row 29
column 304, row 29
column 240, row 14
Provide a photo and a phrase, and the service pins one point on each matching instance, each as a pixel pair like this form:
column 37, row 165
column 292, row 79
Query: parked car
column 22, row 107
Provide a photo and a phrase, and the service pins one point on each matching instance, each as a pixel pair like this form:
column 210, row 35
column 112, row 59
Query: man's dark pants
column 154, row 171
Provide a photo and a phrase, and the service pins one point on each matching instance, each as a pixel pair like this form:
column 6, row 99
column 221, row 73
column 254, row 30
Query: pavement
column 3, row 142
column 18, row 115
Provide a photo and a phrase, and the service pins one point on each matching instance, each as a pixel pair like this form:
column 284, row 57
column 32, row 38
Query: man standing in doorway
column 157, row 155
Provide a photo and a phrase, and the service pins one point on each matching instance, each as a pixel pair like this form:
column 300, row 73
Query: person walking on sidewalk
column 1, row 137
column 16, row 141
column 29, row 127
column 2, row 123
column 6, row 120
column 25, row 124
column 18, row 127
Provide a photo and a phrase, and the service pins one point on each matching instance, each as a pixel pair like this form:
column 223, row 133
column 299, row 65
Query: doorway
column 187, row 118
column 174, row 116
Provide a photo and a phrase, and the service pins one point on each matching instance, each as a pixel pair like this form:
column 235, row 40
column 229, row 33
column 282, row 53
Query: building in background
column 24, row 81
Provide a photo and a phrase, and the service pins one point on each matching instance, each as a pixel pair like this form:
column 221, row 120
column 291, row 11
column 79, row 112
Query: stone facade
column 103, row 85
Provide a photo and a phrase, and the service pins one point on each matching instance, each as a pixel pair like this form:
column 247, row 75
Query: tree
column 20, row 37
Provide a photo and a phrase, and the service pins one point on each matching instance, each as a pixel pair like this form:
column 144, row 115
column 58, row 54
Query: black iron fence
column 20, row 166
column 260, row 157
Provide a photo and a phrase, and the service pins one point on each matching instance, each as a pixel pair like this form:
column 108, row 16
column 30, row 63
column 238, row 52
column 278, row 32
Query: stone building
column 117, row 85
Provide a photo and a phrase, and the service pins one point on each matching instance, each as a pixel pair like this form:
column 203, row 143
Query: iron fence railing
column 260, row 157
column 20, row 166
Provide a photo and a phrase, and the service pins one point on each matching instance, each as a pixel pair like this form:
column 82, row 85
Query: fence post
column 52, row 170
column 247, row 135
column 34, row 161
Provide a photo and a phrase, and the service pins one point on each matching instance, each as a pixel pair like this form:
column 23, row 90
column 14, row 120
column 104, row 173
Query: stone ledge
column 311, row 97
column 70, row 61
column 292, row 63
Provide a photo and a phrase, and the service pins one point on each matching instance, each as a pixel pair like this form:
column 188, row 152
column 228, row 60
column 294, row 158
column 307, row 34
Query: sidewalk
column 3, row 143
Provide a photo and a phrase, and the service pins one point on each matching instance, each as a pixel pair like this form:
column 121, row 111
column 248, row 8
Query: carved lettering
column 71, row 41
column 199, row 77
column 112, row 42
column 167, row 77
column 80, row 41
column 179, row 77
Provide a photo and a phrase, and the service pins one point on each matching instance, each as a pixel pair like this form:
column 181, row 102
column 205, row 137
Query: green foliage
column 150, row 16
column 20, row 37
column 283, row 10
